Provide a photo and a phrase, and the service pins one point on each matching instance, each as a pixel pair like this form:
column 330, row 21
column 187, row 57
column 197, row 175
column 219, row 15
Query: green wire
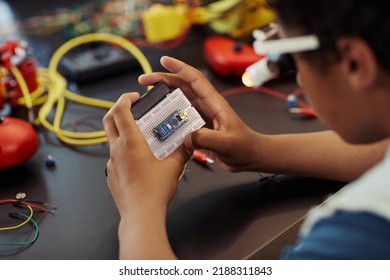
column 26, row 242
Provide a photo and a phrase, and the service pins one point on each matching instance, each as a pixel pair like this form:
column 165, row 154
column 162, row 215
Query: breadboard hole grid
column 176, row 100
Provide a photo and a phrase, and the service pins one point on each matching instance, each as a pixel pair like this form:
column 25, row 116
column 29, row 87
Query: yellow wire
column 183, row 172
column 23, row 223
column 23, row 86
column 54, row 85
column 3, row 89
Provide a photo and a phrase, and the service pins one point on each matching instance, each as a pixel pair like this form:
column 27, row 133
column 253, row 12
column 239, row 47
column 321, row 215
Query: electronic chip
column 172, row 123
column 167, row 123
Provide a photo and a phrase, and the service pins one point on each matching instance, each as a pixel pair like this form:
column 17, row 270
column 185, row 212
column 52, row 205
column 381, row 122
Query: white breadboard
column 175, row 100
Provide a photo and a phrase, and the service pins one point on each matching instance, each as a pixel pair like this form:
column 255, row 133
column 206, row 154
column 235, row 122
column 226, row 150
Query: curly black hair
column 367, row 19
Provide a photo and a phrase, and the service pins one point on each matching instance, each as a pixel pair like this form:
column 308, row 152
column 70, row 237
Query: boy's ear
column 359, row 63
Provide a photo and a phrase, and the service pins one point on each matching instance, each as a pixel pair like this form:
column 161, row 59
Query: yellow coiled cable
column 52, row 91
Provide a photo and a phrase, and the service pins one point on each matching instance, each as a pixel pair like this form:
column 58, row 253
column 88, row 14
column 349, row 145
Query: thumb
column 204, row 138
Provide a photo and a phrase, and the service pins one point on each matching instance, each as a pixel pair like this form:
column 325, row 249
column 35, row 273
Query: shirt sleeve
column 345, row 235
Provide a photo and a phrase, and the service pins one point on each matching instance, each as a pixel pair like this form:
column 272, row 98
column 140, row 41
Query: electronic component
column 33, row 206
column 20, row 196
column 50, row 161
column 149, row 100
column 306, row 112
column 94, row 61
column 170, row 125
column 177, row 111
column 201, row 157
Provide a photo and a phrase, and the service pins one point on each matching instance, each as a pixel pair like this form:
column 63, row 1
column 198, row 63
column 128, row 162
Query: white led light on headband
column 275, row 52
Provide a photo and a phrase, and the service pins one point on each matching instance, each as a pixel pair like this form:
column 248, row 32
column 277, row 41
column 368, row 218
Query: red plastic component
column 18, row 142
column 227, row 57
column 7, row 51
column 28, row 69
column 15, row 53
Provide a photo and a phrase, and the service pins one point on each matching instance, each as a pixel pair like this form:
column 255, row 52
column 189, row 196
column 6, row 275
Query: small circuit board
column 166, row 123
column 168, row 126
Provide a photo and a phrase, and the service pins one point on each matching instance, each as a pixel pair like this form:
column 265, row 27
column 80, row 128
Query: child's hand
column 228, row 139
column 134, row 175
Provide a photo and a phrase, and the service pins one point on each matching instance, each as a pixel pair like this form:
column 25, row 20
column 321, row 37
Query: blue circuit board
column 168, row 126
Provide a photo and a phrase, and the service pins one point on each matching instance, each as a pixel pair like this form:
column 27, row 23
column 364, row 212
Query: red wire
column 265, row 90
column 4, row 201
column 34, row 206
column 23, row 202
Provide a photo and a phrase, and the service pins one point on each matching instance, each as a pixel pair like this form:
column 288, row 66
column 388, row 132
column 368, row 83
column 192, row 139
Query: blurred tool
column 95, row 61
column 302, row 111
column 201, row 157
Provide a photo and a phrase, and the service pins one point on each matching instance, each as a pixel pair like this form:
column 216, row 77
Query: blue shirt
column 355, row 225
column 345, row 235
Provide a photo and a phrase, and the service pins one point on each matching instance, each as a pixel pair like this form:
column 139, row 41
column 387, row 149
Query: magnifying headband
column 276, row 52
column 287, row 45
column 263, row 45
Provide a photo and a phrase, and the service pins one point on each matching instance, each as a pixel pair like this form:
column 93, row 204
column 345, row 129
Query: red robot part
column 28, row 69
column 18, row 142
column 227, row 57
column 14, row 54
